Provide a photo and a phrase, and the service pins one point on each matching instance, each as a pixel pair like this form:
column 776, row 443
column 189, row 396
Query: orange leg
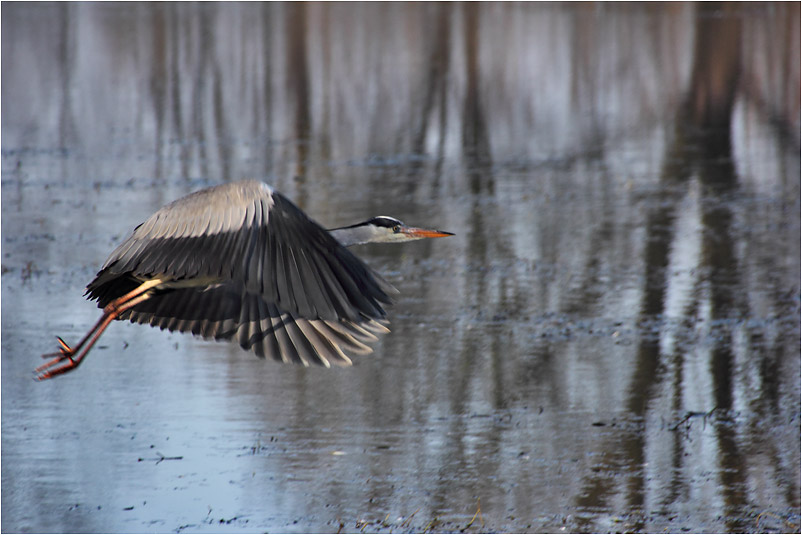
column 110, row 312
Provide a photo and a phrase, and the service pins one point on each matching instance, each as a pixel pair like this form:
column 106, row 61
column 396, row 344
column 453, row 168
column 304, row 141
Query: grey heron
column 241, row 262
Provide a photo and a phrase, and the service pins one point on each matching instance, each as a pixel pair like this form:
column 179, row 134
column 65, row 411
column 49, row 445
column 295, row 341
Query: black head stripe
column 378, row 221
column 384, row 221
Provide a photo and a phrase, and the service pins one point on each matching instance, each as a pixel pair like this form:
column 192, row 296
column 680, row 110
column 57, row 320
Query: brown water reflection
column 611, row 342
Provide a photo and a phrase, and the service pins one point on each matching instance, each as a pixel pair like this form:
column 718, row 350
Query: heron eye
column 397, row 229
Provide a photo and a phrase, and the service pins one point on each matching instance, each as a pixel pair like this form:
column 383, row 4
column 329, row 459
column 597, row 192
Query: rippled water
column 611, row 342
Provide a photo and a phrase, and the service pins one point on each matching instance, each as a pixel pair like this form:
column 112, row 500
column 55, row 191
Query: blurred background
column 611, row 341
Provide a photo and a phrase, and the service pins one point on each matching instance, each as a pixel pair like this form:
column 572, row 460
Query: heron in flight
column 241, row 262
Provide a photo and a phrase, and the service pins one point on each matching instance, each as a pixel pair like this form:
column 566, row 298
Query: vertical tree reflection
column 475, row 141
column 298, row 85
column 709, row 113
column 701, row 148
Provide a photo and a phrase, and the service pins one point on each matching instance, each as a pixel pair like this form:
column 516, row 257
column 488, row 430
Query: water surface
column 611, row 342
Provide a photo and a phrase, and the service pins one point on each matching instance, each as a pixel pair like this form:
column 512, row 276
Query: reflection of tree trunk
column 158, row 82
column 66, row 62
column 174, row 33
column 628, row 454
column 205, row 58
column 716, row 68
column 481, row 245
column 719, row 257
column 710, row 103
column 221, row 130
column 435, row 78
column 702, row 141
column 298, row 80
column 267, row 14
column 476, row 146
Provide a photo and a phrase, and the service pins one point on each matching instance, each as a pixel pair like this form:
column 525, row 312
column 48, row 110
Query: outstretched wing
column 244, row 263
column 226, row 312
column 254, row 237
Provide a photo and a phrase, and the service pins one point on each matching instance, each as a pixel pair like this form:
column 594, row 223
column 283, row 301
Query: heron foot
column 65, row 352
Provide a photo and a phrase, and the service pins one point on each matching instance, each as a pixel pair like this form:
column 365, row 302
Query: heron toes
column 64, row 352
column 56, row 371
column 47, row 370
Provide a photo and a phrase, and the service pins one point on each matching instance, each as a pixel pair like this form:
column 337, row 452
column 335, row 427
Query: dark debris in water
column 160, row 457
column 626, row 331
column 413, row 523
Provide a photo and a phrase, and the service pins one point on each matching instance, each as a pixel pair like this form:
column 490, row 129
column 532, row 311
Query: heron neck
column 349, row 236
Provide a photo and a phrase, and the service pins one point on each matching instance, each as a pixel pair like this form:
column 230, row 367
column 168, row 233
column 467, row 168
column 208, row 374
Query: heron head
column 390, row 230
column 384, row 229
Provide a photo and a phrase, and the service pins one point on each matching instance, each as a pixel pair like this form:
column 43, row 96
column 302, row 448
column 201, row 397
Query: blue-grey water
column 611, row 341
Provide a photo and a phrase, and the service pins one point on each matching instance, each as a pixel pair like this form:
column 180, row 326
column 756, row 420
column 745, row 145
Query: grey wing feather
column 225, row 312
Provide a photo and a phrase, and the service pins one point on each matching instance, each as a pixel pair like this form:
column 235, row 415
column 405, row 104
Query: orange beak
column 425, row 233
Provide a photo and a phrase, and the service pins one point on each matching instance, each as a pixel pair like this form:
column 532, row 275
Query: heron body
column 241, row 262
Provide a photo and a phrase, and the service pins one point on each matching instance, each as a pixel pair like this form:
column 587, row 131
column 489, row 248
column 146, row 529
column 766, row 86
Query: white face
column 387, row 229
column 389, row 234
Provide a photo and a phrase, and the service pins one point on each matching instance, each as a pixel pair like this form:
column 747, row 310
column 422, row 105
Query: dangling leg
column 66, row 351
column 110, row 312
column 75, row 361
